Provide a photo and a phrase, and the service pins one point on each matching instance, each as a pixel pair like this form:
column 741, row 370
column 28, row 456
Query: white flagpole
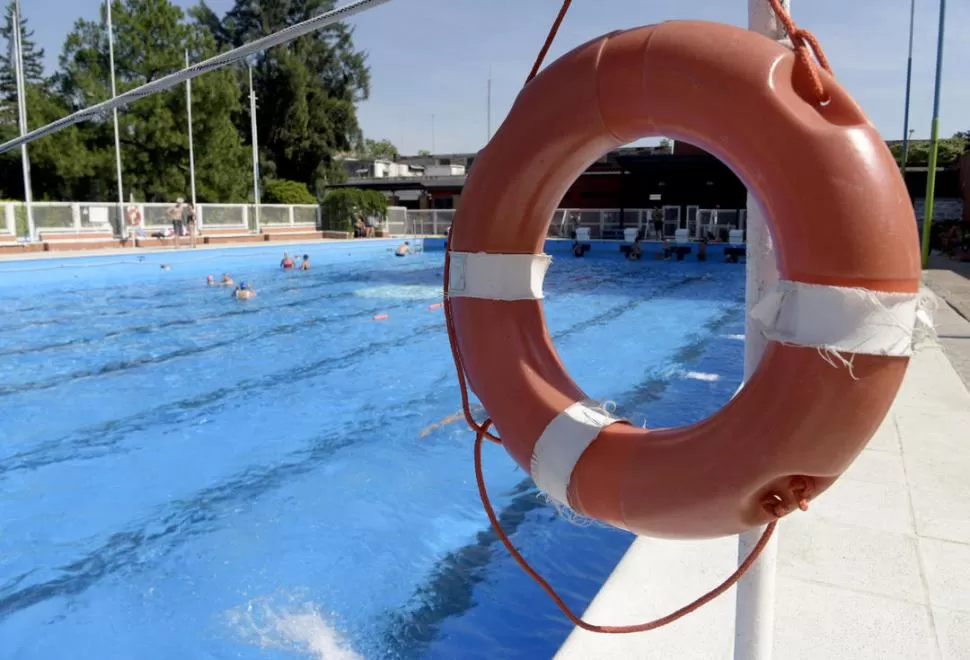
column 754, row 624
column 488, row 112
column 18, row 65
column 252, row 118
column 188, row 105
column 114, row 112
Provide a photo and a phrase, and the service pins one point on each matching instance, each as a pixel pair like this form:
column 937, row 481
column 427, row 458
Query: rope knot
column 808, row 50
column 800, row 489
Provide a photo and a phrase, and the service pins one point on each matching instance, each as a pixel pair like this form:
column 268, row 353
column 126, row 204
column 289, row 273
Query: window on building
column 444, row 203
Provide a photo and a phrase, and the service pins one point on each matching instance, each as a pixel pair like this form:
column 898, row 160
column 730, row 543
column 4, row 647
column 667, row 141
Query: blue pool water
column 183, row 475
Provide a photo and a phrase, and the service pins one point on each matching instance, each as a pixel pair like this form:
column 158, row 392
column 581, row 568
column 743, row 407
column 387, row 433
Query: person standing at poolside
column 178, row 222
column 133, row 216
column 190, row 223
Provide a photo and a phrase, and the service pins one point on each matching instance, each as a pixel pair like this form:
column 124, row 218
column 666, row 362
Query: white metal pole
column 252, row 117
column 755, row 611
column 488, row 113
column 114, row 112
column 188, row 105
column 18, row 57
column 909, row 85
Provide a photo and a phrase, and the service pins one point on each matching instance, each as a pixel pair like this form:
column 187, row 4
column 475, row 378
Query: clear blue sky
column 432, row 57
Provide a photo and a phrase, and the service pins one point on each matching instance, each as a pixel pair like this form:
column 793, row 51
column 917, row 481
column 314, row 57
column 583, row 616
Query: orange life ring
column 845, row 236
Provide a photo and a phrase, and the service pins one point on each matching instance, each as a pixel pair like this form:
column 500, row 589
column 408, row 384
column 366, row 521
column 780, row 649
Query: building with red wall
column 682, row 184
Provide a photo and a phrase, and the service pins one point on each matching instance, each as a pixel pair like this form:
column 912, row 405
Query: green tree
column 307, row 90
column 282, row 191
column 919, row 151
column 375, row 149
column 951, row 149
column 57, row 161
column 154, row 134
column 424, row 152
column 33, row 57
column 342, row 206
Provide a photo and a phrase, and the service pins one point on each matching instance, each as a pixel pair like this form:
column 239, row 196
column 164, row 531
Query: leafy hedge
column 919, row 151
column 284, row 191
column 341, row 206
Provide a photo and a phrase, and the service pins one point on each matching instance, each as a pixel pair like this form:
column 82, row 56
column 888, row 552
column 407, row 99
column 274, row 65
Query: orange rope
column 549, row 39
column 806, row 46
column 456, row 354
column 773, row 503
column 807, row 49
column 577, row 621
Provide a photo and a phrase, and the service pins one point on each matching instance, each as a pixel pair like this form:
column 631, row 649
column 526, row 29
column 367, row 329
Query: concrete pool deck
column 185, row 249
column 879, row 567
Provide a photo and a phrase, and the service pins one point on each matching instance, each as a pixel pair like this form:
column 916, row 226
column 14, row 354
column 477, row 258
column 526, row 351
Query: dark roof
column 460, row 154
column 666, row 164
column 456, row 181
column 405, row 183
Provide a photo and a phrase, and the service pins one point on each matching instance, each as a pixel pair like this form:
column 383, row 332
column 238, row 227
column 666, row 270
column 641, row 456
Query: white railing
column 718, row 223
column 93, row 217
column 396, row 220
column 602, row 223
column 9, row 222
column 62, row 216
column 53, row 217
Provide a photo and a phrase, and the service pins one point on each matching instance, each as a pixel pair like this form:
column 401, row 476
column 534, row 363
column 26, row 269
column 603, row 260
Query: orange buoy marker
column 840, row 325
column 381, row 317
column 434, row 306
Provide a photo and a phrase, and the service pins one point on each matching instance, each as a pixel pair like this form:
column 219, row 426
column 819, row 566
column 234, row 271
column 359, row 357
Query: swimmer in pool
column 287, row 262
column 244, row 292
column 305, row 264
column 226, row 280
column 403, row 250
column 636, row 250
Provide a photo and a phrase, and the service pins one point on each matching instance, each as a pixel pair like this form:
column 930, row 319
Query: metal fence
column 602, row 223
column 95, row 218
column 89, row 217
column 396, row 222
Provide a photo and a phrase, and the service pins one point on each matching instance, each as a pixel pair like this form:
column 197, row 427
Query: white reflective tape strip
column 497, row 276
column 563, row 442
column 842, row 319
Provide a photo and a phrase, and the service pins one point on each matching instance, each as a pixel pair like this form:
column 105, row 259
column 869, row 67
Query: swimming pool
column 187, row 476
